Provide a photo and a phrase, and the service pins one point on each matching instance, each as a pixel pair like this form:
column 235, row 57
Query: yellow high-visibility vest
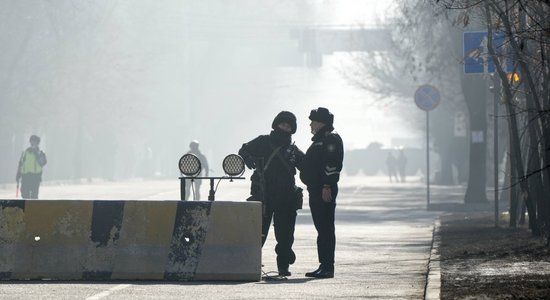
column 30, row 163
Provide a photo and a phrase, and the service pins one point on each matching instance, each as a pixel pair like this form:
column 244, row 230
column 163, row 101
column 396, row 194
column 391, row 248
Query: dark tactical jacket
column 323, row 161
column 279, row 178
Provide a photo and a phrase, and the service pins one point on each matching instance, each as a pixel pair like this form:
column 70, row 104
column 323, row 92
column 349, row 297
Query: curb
column 433, row 276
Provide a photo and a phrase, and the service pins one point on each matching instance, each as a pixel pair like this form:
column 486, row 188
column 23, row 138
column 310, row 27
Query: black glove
column 250, row 162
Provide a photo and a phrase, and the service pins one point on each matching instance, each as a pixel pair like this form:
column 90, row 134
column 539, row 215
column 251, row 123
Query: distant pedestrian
column 29, row 169
column 320, row 171
column 194, row 149
column 402, row 165
column 391, row 163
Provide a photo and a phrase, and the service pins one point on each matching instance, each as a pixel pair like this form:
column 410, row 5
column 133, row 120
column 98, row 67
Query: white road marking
column 108, row 292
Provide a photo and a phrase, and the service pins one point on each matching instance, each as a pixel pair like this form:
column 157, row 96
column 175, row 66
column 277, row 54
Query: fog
column 118, row 89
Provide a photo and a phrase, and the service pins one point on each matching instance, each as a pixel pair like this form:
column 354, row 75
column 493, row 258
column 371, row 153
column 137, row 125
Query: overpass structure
column 286, row 45
column 314, row 42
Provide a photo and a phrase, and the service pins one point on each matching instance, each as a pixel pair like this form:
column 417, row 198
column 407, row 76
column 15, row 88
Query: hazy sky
column 299, row 89
column 356, row 11
column 121, row 79
column 356, row 120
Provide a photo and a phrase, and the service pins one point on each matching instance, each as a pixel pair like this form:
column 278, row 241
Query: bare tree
column 526, row 26
column 70, row 78
column 426, row 50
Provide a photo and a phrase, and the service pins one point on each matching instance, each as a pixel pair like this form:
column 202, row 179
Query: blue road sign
column 476, row 54
column 427, row 97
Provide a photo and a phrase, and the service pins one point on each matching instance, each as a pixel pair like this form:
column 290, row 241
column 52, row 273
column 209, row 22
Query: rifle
column 259, row 161
column 261, row 167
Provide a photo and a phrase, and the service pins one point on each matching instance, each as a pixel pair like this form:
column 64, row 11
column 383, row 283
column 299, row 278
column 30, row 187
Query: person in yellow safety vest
column 30, row 167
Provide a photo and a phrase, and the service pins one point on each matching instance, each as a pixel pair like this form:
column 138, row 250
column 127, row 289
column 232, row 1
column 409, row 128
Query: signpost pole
column 427, row 98
column 428, row 158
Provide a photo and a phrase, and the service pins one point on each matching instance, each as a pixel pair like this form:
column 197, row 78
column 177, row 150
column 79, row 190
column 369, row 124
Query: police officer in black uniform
column 320, row 171
column 274, row 159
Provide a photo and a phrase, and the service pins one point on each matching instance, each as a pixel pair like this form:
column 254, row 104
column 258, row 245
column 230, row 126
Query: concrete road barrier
column 130, row 240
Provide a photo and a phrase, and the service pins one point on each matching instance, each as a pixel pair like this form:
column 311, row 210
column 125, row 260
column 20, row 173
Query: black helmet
column 285, row 117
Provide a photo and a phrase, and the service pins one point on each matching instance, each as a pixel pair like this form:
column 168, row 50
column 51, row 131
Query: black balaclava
column 282, row 117
column 282, row 137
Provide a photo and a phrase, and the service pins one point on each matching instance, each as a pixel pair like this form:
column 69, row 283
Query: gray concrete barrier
column 130, row 240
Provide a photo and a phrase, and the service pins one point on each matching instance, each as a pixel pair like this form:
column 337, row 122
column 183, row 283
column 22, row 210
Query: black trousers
column 29, row 185
column 284, row 221
column 323, row 219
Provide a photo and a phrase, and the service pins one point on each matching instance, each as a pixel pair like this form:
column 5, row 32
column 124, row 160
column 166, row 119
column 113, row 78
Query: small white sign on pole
column 477, row 137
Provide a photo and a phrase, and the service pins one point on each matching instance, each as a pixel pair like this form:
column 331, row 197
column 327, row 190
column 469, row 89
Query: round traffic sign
column 427, row 97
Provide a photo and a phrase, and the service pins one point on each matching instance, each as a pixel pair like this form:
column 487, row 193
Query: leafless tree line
column 428, row 48
column 525, row 96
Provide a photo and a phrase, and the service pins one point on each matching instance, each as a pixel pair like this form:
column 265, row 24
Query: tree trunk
column 515, row 142
column 546, row 132
column 474, row 90
column 535, row 181
column 446, row 171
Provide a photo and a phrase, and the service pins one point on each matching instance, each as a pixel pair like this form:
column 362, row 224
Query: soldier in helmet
column 274, row 159
column 29, row 170
column 194, row 149
column 320, row 171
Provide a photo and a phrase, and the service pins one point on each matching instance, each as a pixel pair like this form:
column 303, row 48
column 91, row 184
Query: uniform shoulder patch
column 331, row 147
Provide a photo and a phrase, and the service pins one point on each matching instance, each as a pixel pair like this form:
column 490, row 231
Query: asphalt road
column 383, row 231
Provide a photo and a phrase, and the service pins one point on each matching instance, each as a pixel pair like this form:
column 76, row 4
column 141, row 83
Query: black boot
column 313, row 273
column 322, row 272
column 283, row 271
